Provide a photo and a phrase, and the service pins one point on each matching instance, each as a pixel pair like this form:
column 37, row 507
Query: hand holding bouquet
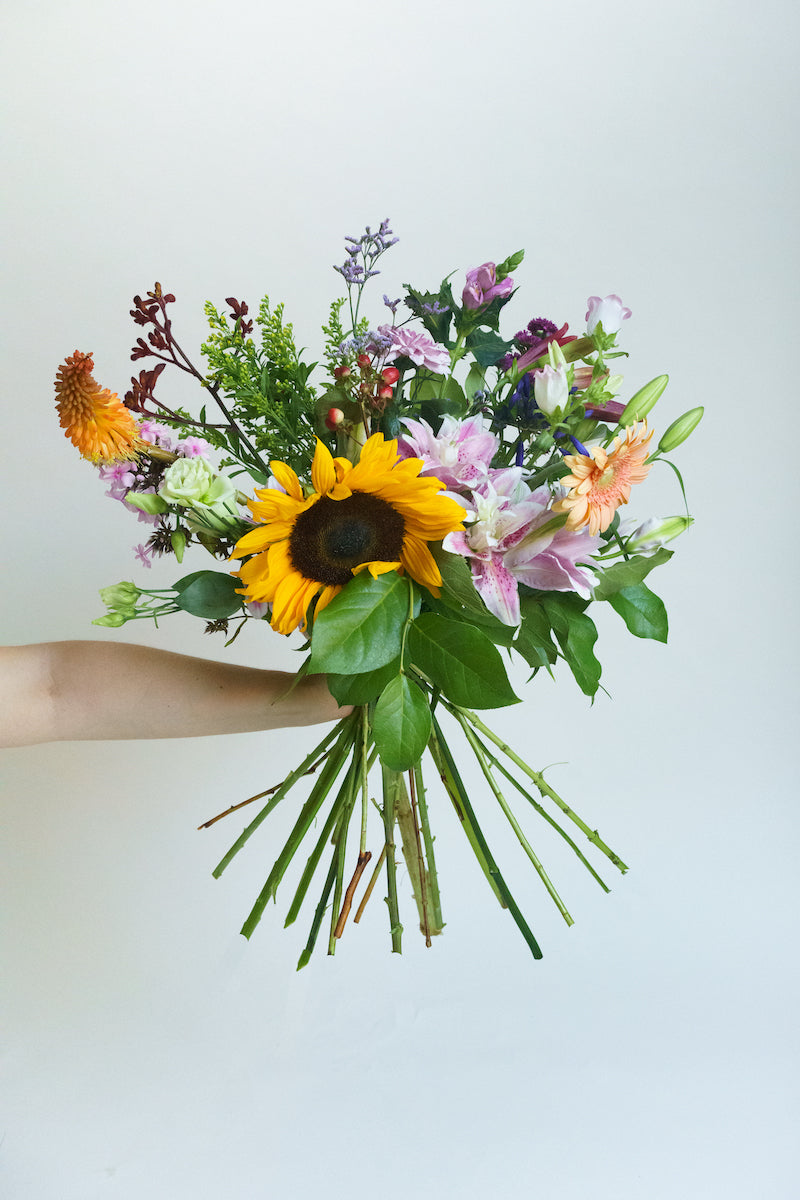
column 444, row 499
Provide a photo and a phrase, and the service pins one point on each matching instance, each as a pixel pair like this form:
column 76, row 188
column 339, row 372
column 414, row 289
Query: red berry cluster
column 370, row 388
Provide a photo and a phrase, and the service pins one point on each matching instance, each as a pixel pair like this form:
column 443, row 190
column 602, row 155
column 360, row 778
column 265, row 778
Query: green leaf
column 362, row 688
column 642, row 611
column 625, row 574
column 209, row 594
column 401, row 725
column 486, row 347
column 361, row 629
column 576, row 635
column 533, row 641
column 460, row 660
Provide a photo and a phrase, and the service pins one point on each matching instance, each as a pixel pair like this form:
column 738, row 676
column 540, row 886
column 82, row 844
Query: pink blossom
column 513, row 539
column 608, row 311
column 193, row 447
column 418, row 346
column 156, row 434
column 143, row 555
column 460, row 454
column 482, row 286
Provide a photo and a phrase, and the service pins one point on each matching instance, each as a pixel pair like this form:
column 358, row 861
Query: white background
column 148, row 1049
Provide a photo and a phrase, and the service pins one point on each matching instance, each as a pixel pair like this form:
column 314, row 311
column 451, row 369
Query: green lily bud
column 679, row 430
column 121, row 597
column 651, row 535
column 639, row 405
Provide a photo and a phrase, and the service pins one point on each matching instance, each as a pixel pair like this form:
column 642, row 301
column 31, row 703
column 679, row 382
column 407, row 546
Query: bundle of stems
column 341, row 764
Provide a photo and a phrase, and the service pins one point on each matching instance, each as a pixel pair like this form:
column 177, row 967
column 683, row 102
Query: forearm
column 107, row 690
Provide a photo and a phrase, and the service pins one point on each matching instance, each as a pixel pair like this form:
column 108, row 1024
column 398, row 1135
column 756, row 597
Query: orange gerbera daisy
column 375, row 516
column 601, row 480
column 94, row 419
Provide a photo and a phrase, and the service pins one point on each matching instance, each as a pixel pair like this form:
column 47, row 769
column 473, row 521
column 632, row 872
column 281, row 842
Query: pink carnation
column 419, row 347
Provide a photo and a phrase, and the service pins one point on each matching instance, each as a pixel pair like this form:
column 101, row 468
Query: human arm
column 88, row 691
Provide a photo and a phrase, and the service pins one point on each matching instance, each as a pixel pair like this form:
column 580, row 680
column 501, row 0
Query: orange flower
column 94, row 419
column 601, row 480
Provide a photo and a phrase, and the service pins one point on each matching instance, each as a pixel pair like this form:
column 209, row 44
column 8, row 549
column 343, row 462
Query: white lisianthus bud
column 551, row 390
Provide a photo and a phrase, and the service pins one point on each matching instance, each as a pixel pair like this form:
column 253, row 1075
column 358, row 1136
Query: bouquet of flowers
column 444, row 498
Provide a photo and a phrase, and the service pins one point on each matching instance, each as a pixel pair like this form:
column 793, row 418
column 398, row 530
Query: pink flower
column 143, row 555
column 419, row 347
column 512, row 540
column 193, row 447
column 610, row 312
column 482, row 286
column 460, row 454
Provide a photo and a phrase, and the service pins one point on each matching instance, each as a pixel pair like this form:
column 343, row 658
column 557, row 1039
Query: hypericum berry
column 363, row 361
column 334, row 418
column 341, row 372
column 384, row 392
column 390, row 375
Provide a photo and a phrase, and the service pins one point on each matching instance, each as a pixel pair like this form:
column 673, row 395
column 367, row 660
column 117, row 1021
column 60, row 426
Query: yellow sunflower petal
column 420, row 563
column 323, row 472
column 376, row 568
column 287, row 478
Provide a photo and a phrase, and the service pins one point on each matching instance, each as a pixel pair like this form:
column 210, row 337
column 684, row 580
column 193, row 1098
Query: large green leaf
column 642, row 611
column 576, row 635
column 361, row 689
column 460, row 660
column 486, row 347
column 361, row 629
column 533, row 641
column 209, row 594
column 401, row 725
column 625, row 574
column 459, row 594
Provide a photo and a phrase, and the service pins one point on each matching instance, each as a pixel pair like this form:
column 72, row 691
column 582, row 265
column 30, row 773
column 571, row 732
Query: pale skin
column 95, row 691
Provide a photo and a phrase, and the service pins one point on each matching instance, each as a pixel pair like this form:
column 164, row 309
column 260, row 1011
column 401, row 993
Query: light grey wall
column 150, row 1051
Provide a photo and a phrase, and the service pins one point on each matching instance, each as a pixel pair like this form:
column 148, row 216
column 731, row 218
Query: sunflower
column 601, row 480
column 375, row 516
column 94, row 419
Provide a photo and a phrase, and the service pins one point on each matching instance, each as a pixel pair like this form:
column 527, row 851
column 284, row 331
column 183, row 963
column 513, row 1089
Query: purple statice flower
column 460, row 454
column 392, row 304
column 418, row 346
column 435, row 309
column 369, row 247
column 482, row 286
column 510, row 538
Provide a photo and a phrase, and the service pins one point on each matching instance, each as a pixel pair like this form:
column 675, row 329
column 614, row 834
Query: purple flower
column 482, row 286
column 609, row 312
column 460, row 454
column 418, row 346
column 156, row 435
column 193, row 447
column 143, row 555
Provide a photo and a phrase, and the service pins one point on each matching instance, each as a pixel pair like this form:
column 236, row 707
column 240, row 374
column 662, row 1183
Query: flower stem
column 391, row 867
column 541, row 784
column 491, row 869
column 512, row 820
column 373, row 880
column 342, row 728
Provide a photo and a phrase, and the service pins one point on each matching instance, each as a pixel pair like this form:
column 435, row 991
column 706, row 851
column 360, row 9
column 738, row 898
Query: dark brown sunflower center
column 333, row 536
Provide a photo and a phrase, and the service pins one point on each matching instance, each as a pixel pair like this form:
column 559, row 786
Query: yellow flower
column 600, row 481
column 94, row 419
column 376, row 516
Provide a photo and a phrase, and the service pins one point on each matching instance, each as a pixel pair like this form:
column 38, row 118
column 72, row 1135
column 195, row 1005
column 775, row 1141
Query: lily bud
column 680, row 430
column 651, row 535
column 551, row 389
column 640, row 404
column 178, row 541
